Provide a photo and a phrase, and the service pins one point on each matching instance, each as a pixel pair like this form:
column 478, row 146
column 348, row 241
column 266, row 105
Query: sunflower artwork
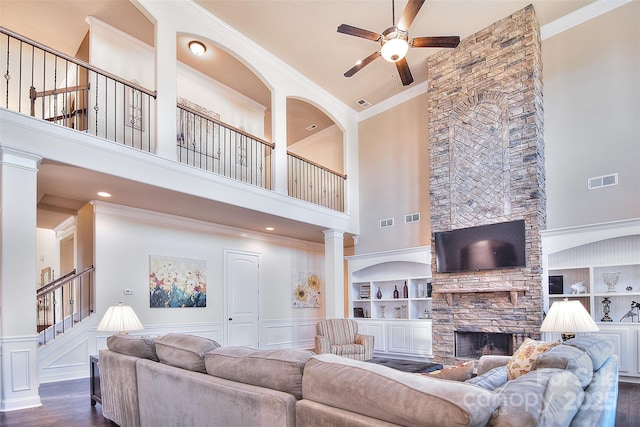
column 306, row 290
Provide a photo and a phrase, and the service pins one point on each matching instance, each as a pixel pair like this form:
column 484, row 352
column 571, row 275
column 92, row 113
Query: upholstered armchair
column 341, row 337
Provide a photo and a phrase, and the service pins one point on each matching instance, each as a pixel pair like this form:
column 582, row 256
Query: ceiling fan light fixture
column 197, row 48
column 394, row 50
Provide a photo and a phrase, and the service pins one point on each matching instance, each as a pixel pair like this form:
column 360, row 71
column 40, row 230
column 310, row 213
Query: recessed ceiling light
column 269, row 228
column 197, row 48
column 104, row 194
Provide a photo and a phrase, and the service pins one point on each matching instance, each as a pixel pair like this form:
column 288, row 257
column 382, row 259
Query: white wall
column 324, row 148
column 47, row 253
column 592, row 118
column 394, row 177
column 129, row 58
column 125, row 238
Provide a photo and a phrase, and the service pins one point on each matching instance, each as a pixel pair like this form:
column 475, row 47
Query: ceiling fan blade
column 404, row 72
column 359, row 32
column 360, row 65
column 408, row 15
column 437, row 41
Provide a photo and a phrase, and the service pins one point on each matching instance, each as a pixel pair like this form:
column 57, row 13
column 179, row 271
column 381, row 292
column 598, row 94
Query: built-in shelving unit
column 582, row 255
column 402, row 325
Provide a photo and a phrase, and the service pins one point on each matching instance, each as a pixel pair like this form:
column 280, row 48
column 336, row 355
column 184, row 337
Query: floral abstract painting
column 177, row 282
column 306, row 290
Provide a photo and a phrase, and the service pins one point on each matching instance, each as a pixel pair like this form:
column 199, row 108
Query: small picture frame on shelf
column 556, row 285
column 358, row 312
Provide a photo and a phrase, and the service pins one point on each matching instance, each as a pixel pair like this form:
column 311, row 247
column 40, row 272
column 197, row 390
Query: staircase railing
column 64, row 302
column 315, row 183
column 52, row 86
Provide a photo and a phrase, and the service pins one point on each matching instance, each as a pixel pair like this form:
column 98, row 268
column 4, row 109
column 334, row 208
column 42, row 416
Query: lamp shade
column 568, row 316
column 119, row 318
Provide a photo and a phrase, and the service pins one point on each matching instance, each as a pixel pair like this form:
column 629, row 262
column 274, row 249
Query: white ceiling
column 300, row 32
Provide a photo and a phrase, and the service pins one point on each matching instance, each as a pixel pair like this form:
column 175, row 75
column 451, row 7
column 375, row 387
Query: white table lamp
column 568, row 317
column 119, row 318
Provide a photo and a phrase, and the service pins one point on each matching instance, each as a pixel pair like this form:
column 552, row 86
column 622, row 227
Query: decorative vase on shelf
column 397, row 312
column 606, row 308
column 379, row 294
column 382, row 311
column 610, row 279
column 396, row 294
column 404, row 313
column 405, row 290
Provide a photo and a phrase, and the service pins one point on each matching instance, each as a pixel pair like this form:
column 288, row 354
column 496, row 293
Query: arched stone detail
column 479, row 159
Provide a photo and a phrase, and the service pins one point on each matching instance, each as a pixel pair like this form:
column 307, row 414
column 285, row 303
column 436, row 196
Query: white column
column 167, row 88
column 279, row 137
column 18, row 333
column 334, row 273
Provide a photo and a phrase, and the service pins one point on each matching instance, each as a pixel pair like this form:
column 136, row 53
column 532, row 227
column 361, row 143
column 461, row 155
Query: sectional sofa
column 183, row 380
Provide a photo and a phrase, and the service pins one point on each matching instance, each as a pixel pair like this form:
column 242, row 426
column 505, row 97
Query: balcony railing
column 315, row 183
column 209, row 144
column 52, row 86
column 64, row 302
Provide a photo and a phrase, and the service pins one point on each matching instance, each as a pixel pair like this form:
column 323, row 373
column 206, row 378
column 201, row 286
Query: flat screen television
column 485, row 247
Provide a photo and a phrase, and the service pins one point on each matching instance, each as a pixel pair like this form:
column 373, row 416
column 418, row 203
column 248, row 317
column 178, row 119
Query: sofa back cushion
column 184, row 351
column 131, row 345
column 279, row 369
column 492, row 379
column 570, row 359
column 543, row 397
column 597, row 348
column 393, row 396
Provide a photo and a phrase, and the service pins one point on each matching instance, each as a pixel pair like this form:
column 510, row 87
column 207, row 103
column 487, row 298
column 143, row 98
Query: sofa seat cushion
column 599, row 349
column 275, row 369
column 570, row 359
column 492, row 379
column 544, row 397
column 131, row 345
column 393, row 396
column 184, row 351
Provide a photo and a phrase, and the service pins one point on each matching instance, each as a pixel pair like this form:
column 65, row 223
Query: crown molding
column 579, row 16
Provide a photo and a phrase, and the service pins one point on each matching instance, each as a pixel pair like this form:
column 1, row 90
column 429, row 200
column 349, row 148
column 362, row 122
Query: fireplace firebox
column 472, row 345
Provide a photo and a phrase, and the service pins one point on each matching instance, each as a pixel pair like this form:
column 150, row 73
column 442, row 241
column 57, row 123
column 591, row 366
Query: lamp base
column 567, row 336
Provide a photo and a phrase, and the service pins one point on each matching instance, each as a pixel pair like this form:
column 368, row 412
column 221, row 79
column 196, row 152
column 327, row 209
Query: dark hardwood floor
column 67, row 403
column 64, row 403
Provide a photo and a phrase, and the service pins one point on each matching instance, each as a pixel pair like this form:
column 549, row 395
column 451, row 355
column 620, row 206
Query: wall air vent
column 602, row 181
column 411, row 218
column 363, row 103
column 384, row 223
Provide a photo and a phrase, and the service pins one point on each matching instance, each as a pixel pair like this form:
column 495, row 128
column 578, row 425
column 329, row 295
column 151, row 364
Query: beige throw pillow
column 524, row 359
column 462, row 372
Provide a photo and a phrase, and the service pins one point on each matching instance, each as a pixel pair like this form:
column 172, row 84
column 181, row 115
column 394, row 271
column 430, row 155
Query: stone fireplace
column 487, row 166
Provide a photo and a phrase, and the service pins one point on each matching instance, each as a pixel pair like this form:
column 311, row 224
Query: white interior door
column 242, row 299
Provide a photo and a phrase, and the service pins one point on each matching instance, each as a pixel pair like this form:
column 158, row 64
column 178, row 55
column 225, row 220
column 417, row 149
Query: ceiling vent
column 602, row 181
column 363, row 103
column 411, row 218
column 311, row 127
column 384, row 223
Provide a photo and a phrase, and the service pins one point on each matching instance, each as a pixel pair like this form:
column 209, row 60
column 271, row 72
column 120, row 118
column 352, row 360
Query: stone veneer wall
column 487, row 166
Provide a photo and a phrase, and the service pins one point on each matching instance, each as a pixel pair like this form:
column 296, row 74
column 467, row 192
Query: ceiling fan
column 394, row 41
